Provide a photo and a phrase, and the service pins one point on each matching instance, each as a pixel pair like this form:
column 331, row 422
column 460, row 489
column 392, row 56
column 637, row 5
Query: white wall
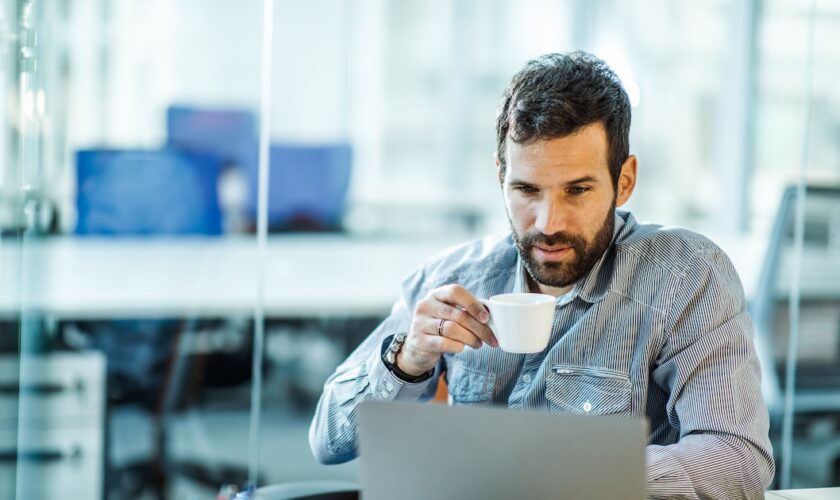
column 208, row 52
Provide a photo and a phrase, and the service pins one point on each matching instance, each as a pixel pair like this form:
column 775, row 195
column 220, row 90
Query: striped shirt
column 656, row 329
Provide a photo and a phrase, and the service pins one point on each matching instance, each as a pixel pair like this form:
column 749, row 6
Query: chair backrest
column 308, row 186
column 818, row 359
column 230, row 134
column 147, row 192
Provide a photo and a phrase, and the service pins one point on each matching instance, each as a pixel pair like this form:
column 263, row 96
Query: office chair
column 149, row 193
column 146, row 193
column 228, row 134
column 307, row 187
column 818, row 362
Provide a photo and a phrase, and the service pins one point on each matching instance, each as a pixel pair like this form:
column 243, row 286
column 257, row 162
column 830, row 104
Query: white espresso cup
column 521, row 321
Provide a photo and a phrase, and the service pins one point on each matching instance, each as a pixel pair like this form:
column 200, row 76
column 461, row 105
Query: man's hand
column 464, row 323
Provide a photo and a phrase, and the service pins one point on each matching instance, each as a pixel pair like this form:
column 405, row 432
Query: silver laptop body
column 411, row 451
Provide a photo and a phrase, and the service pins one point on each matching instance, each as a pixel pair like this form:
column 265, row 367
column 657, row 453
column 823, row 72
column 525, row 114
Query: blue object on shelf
column 307, row 186
column 147, row 192
column 230, row 134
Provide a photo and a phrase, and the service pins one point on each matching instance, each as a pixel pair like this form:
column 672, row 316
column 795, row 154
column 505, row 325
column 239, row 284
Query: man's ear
column 626, row 180
column 498, row 167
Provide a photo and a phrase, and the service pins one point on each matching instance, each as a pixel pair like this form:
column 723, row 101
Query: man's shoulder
column 480, row 256
column 672, row 248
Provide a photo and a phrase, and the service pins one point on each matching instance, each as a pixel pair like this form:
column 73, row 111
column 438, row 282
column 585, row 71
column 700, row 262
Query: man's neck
column 535, row 287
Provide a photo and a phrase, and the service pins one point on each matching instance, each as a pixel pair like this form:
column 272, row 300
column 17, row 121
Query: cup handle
column 490, row 323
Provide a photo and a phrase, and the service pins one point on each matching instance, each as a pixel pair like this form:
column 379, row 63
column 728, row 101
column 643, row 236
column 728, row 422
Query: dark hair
column 557, row 94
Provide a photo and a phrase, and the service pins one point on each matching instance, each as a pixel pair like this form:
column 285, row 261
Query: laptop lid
column 411, row 451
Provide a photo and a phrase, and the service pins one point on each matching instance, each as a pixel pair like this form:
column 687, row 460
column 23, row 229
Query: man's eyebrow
column 581, row 180
column 514, row 181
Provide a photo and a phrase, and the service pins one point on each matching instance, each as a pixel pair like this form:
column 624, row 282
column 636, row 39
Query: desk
column 312, row 275
column 807, row 494
column 90, row 278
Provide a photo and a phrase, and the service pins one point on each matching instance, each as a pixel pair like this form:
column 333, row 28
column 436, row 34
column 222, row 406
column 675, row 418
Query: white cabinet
column 52, row 426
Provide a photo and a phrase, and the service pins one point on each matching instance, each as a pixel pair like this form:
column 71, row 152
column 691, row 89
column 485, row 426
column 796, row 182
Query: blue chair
column 229, row 134
column 147, row 193
column 307, row 186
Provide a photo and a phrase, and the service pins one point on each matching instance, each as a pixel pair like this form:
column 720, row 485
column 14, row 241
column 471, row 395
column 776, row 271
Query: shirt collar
column 595, row 284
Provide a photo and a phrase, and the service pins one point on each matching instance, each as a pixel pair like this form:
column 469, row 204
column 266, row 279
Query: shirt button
column 389, row 386
column 526, row 378
column 587, row 407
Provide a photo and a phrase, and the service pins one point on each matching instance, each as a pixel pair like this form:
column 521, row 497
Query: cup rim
column 544, row 298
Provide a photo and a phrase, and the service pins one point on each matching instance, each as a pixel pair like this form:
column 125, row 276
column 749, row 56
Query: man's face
column 560, row 202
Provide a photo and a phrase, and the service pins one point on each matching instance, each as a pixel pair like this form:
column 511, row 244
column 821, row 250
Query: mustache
column 559, row 238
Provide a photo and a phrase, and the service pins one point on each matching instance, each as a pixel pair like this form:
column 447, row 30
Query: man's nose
column 551, row 217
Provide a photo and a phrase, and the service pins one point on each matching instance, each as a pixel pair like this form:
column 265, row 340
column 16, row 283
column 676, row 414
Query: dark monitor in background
column 307, row 186
column 147, row 192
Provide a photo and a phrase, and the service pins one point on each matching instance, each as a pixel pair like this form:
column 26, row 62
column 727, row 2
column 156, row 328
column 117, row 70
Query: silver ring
column 440, row 327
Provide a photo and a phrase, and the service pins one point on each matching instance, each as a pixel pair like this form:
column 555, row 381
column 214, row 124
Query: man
column 649, row 322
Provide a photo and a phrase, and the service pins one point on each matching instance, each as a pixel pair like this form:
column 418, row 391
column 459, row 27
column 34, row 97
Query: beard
column 562, row 274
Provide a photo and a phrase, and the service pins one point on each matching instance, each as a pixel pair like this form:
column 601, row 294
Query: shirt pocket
column 587, row 391
column 469, row 385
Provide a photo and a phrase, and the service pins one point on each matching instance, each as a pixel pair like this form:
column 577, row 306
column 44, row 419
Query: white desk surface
column 111, row 278
column 152, row 277
column 807, row 494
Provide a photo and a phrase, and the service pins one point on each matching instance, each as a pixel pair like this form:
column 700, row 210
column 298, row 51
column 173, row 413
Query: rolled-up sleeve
column 709, row 367
column 362, row 377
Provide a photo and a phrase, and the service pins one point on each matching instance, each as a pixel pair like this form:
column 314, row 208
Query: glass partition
column 128, row 131
column 796, row 307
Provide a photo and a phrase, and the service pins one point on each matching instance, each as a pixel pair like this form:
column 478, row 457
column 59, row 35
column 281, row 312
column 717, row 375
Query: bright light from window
column 617, row 58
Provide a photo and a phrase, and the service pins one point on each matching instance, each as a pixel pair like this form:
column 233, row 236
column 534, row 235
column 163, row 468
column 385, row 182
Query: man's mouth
column 551, row 253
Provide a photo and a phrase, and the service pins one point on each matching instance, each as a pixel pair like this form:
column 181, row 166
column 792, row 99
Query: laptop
column 411, row 451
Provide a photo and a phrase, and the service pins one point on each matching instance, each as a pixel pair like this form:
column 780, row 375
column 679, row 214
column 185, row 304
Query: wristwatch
column 389, row 357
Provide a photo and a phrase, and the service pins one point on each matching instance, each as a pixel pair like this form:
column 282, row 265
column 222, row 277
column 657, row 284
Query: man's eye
column 578, row 190
column 526, row 189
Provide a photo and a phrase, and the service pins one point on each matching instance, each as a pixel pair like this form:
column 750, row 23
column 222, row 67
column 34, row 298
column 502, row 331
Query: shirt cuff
column 387, row 386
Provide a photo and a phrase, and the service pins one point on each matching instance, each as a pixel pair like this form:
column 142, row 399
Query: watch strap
column 390, row 348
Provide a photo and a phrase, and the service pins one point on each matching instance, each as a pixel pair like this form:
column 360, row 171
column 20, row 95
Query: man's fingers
column 456, row 315
column 459, row 296
column 443, row 344
column 454, row 331
column 477, row 310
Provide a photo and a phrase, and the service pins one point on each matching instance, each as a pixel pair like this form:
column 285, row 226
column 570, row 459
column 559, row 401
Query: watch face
column 394, row 348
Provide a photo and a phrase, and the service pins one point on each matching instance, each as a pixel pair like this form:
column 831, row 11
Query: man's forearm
column 714, row 466
column 332, row 435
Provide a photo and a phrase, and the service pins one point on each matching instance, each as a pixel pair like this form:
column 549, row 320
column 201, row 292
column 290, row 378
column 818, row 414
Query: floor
column 222, row 435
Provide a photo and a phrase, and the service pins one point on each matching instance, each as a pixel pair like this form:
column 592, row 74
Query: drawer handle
column 45, row 388
column 40, row 455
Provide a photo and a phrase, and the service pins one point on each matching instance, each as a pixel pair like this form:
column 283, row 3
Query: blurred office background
column 134, row 289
